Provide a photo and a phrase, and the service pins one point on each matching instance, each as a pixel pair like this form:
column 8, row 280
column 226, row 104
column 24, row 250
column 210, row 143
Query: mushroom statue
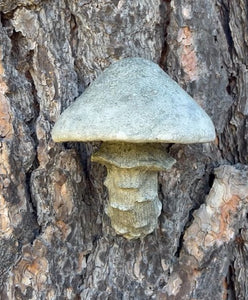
column 133, row 107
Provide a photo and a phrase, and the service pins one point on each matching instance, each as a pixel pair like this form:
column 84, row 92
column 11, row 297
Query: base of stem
column 133, row 205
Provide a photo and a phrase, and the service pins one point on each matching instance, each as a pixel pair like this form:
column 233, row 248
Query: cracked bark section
column 18, row 224
column 51, row 49
column 235, row 133
column 218, row 70
column 216, row 226
column 8, row 6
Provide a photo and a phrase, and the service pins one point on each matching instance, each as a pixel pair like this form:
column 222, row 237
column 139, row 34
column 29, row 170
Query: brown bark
column 56, row 242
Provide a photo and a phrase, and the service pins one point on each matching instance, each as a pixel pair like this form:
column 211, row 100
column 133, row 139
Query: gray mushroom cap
column 134, row 101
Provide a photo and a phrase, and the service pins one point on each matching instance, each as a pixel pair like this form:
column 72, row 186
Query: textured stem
column 133, row 201
column 133, row 205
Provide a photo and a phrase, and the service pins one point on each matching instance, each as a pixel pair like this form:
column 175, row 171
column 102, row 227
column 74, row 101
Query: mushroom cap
column 135, row 101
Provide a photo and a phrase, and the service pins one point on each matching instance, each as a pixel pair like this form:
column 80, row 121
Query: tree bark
column 56, row 242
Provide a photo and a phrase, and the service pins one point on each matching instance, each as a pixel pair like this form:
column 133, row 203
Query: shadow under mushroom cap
column 135, row 101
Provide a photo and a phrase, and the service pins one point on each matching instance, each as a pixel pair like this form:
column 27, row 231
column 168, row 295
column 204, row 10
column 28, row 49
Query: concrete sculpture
column 133, row 107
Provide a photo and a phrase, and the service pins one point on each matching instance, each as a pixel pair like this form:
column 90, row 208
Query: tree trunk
column 56, row 242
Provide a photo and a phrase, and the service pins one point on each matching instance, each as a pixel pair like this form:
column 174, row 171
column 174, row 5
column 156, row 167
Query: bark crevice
column 225, row 20
column 165, row 11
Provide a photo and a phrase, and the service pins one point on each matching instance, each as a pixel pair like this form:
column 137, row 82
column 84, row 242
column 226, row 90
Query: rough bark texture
column 56, row 242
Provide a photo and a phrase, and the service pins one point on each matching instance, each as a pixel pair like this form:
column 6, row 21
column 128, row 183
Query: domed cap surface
column 135, row 101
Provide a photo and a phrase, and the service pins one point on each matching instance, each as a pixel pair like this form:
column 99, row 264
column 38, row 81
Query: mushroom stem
column 133, row 201
column 132, row 184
